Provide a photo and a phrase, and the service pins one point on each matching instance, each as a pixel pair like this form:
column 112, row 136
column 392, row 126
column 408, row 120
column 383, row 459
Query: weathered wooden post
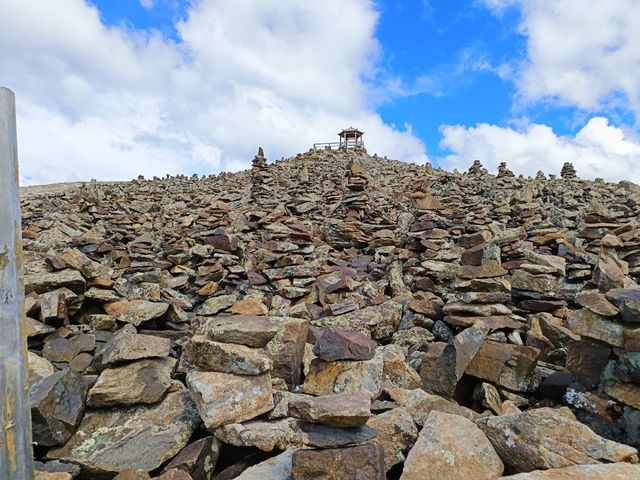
column 15, row 420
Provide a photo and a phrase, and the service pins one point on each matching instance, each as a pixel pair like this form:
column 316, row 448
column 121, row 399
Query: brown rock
column 143, row 381
column 338, row 410
column 610, row 471
column 225, row 398
column 545, row 438
column 338, row 344
column 366, row 461
column 135, row 311
column 252, row 331
column 451, row 447
column 396, row 432
column 204, row 354
column 587, row 360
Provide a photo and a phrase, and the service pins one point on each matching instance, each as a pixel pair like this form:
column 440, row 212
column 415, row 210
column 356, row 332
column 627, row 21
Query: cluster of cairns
column 335, row 316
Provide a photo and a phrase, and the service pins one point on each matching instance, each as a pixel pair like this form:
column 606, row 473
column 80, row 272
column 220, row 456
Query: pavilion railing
column 338, row 145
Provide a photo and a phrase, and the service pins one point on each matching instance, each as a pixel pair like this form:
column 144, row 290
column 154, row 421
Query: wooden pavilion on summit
column 349, row 138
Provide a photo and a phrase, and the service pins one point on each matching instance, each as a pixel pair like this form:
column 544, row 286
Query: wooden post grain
column 15, row 420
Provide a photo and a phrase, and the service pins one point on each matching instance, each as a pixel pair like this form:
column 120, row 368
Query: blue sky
column 183, row 86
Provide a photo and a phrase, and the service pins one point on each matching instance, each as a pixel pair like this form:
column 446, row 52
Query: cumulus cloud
column 148, row 4
column 112, row 102
column 597, row 150
column 583, row 54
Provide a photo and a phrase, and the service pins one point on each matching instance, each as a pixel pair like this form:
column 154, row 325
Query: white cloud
column 583, row 54
column 148, row 4
column 597, row 150
column 110, row 103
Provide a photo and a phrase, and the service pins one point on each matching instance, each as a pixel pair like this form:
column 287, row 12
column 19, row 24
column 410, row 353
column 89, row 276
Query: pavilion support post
column 15, row 419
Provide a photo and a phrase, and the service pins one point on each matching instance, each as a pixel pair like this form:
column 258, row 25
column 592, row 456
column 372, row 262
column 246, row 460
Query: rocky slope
column 335, row 316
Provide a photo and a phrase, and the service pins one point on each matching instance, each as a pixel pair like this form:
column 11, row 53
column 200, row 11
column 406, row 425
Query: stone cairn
column 261, row 181
column 568, row 171
column 354, row 201
column 372, row 323
column 503, row 171
column 477, row 169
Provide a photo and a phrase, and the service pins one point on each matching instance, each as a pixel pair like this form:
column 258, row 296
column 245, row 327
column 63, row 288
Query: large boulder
column 544, row 438
column 139, row 437
column 451, row 447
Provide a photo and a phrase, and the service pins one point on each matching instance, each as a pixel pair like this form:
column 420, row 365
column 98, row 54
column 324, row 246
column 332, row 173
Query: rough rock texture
column 611, row 471
column 467, row 293
column 339, row 410
column 450, row 447
column 547, row 438
column 140, row 437
column 225, row 398
column 366, row 461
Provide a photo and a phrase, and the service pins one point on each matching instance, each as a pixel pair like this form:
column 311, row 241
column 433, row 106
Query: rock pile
column 297, row 322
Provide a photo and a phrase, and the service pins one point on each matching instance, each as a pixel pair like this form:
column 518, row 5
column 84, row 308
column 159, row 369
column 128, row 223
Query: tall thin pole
column 15, row 420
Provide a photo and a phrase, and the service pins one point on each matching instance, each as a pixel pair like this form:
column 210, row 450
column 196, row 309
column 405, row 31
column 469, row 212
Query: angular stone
column 366, row 461
column 396, row 432
column 203, row 354
column 60, row 349
column 286, row 349
column 397, row 372
column 627, row 393
column 101, row 295
column 38, row 368
column 198, row 459
column 482, row 309
column 270, row 435
column 443, row 376
column 338, row 344
column 608, row 272
column 628, row 301
column 588, row 324
column 324, row 436
column 587, row 360
column 597, row 303
column 125, row 347
column 142, row 437
column 142, row 381
column 522, row 280
column 544, row 438
column 281, row 400
column 57, row 405
column 324, row 378
column 609, row 471
column 451, row 447
column 225, row 398
column 45, row 282
column 488, row 269
column 473, row 239
column 277, row 468
column 506, row 365
column 214, row 305
column 338, row 410
column 249, row 330
column 420, row 404
column 135, row 311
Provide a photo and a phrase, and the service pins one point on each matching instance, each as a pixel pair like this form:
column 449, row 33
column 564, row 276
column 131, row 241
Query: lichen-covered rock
column 338, row 410
column 451, row 447
column 396, row 432
column 366, row 461
column 204, row 354
column 142, row 381
column 609, row 471
column 57, row 404
column 544, row 438
column 226, row 398
column 139, row 437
